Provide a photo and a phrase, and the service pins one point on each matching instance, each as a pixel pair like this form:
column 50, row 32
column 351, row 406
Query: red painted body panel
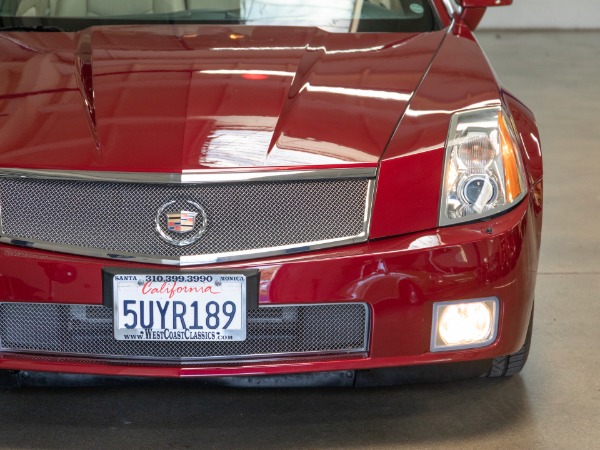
column 396, row 277
column 173, row 98
column 411, row 170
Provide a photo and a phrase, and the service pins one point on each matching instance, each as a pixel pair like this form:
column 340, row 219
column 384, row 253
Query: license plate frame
column 176, row 299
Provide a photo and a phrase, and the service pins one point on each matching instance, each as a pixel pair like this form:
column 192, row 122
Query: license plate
column 179, row 307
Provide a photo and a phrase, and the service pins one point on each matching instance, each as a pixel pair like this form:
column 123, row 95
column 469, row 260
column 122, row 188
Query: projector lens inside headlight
column 478, row 189
column 467, row 324
column 483, row 173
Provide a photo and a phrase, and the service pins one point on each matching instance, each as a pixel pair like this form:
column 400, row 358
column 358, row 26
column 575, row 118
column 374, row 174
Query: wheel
column 9, row 379
column 509, row 365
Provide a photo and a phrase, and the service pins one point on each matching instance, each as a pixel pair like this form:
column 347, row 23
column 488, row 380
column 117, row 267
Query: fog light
column 464, row 324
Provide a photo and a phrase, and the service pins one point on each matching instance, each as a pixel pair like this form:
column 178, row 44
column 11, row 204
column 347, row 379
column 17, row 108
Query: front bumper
column 398, row 278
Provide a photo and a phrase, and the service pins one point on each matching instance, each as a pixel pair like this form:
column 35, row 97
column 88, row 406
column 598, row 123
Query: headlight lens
column 483, row 172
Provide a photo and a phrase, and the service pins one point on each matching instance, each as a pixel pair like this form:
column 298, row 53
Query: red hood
column 173, row 98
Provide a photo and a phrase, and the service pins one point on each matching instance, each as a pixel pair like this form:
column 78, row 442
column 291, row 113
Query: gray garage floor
column 555, row 403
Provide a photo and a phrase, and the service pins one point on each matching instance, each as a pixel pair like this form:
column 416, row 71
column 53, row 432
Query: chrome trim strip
column 192, row 176
column 207, row 359
column 203, row 259
column 184, row 260
column 370, row 200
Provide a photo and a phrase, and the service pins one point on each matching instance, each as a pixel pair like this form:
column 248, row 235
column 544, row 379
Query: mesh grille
column 88, row 330
column 121, row 217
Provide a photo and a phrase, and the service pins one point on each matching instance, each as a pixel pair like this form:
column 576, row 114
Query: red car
column 262, row 191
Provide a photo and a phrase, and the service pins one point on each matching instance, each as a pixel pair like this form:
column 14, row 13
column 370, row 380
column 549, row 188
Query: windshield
column 331, row 15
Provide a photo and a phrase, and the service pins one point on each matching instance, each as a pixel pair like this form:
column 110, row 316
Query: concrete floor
column 554, row 403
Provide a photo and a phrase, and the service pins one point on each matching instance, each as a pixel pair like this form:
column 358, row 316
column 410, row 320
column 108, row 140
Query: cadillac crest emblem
column 181, row 222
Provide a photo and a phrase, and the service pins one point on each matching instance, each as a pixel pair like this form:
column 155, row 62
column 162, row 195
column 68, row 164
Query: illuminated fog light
column 464, row 324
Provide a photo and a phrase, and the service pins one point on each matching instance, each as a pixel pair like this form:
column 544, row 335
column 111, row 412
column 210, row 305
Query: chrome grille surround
column 274, row 333
column 113, row 215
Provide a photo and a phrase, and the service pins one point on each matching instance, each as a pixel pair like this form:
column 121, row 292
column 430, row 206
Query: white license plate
column 179, row 307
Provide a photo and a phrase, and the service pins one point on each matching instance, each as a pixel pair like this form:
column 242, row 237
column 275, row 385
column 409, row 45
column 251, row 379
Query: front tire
column 9, row 379
column 509, row 365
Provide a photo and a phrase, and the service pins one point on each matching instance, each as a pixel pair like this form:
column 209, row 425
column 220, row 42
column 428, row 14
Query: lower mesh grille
column 273, row 332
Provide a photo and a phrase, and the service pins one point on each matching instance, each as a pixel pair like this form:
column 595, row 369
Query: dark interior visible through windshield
column 332, row 15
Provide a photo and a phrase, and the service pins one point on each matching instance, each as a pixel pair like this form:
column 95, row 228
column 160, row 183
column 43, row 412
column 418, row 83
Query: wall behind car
column 548, row 14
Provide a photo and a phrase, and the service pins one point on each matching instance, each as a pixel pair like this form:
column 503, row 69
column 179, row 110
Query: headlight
column 483, row 173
